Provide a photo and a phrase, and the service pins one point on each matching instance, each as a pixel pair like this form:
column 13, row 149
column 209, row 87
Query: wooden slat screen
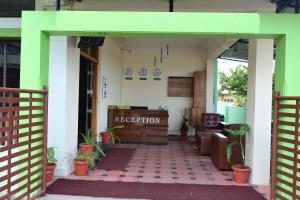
column 23, row 143
column 286, row 148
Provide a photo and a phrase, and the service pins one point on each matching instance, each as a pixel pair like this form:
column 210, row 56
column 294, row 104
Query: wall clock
column 156, row 72
column 143, row 72
column 128, row 71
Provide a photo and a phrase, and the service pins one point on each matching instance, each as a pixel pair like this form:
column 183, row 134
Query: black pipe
column 297, row 6
column 57, row 5
column 171, row 5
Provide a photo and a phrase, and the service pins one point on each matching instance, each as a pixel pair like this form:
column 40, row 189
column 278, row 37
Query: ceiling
column 158, row 42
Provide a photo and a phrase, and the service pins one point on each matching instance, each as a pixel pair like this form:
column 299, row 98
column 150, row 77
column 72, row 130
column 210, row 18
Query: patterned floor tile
column 177, row 162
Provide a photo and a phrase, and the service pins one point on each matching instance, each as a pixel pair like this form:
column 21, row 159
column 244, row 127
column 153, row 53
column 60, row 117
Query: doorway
column 88, row 86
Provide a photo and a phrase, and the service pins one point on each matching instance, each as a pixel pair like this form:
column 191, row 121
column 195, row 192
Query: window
column 13, row 8
column 10, row 64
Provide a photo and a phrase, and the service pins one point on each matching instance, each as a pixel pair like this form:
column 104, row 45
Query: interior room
column 151, row 86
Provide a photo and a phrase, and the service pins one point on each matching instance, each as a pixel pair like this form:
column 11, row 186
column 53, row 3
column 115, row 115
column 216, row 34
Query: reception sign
column 144, row 120
column 146, row 126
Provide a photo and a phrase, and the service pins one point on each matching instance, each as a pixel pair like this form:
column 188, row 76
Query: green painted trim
column 10, row 33
column 38, row 25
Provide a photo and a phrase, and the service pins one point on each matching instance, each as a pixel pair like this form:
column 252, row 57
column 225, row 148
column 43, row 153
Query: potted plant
column 89, row 143
column 81, row 163
column 109, row 135
column 51, row 163
column 184, row 127
column 241, row 172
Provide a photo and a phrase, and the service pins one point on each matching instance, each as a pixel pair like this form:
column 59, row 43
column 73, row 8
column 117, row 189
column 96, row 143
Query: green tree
column 235, row 83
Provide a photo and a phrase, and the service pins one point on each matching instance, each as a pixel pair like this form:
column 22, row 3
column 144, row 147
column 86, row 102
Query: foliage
column 91, row 140
column 235, row 83
column 88, row 137
column 114, row 136
column 89, row 157
column 240, row 100
column 51, row 155
column 184, row 125
column 241, row 134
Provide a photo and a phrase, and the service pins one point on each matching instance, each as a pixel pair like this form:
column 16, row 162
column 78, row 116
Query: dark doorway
column 10, row 64
column 85, row 97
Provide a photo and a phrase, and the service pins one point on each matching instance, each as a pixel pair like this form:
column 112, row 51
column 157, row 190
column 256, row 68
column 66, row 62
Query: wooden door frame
column 95, row 60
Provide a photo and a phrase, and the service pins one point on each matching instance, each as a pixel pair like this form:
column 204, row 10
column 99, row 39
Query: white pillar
column 63, row 101
column 210, row 81
column 259, row 109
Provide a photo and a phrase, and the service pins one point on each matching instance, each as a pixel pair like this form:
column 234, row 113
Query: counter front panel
column 140, row 126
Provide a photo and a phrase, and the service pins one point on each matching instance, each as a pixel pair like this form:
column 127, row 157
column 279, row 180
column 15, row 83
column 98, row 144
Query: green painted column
column 287, row 71
column 34, row 59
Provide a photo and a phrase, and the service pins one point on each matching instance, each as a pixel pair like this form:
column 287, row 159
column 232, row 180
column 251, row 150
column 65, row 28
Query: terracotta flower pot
column 86, row 148
column 50, row 171
column 241, row 175
column 183, row 132
column 106, row 138
column 81, row 167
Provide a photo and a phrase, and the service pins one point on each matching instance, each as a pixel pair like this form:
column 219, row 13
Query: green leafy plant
column 113, row 135
column 51, row 155
column 240, row 134
column 88, row 137
column 88, row 157
column 184, row 125
column 91, row 140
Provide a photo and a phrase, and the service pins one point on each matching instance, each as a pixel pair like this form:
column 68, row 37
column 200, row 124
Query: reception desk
column 140, row 126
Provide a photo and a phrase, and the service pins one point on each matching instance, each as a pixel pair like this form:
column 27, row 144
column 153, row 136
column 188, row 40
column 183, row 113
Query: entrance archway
column 38, row 26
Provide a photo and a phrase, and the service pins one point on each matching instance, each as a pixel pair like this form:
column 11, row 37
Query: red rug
column 154, row 191
column 116, row 159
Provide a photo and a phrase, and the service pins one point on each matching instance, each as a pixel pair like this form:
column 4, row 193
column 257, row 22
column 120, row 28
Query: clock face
column 156, row 72
column 143, row 72
column 128, row 71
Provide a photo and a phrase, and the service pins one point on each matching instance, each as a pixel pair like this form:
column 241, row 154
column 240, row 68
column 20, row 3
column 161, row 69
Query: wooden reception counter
column 140, row 126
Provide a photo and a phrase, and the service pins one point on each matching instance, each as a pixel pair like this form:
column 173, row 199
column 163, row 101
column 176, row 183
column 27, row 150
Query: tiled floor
column 177, row 162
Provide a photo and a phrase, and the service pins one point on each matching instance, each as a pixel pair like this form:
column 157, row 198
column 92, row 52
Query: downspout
column 171, row 5
column 57, row 5
column 297, row 6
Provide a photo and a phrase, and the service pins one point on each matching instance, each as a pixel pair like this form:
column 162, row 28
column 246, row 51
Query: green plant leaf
column 229, row 150
column 88, row 137
column 51, row 155
column 116, row 127
column 241, row 132
column 100, row 150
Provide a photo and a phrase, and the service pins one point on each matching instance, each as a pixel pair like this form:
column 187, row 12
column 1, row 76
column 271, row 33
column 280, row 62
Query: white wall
column 179, row 62
column 259, row 110
column 10, row 22
column 210, row 82
column 63, row 101
column 110, row 67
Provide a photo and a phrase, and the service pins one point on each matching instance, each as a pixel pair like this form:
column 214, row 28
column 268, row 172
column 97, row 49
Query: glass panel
column 1, row 64
column 13, row 64
column 13, row 8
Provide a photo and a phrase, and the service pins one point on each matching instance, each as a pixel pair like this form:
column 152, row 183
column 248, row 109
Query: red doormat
column 116, row 159
column 155, row 191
